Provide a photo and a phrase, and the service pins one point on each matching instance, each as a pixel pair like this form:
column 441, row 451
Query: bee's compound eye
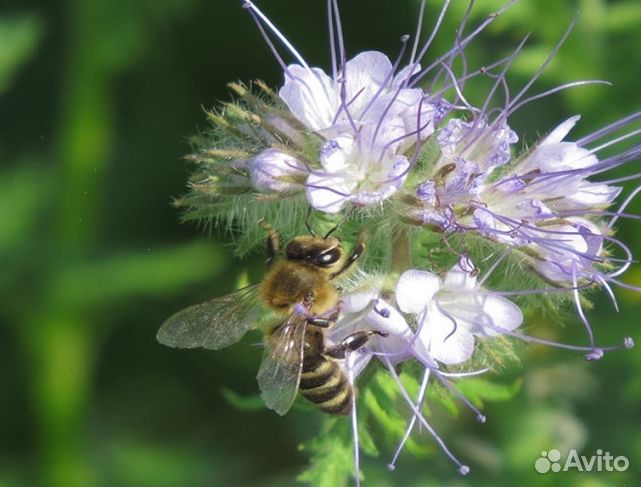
column 328, row 258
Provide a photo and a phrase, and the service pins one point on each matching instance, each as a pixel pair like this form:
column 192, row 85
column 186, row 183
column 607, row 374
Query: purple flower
column 275, row 171
column 366, row 112
column 450, row 314
column 487, row 145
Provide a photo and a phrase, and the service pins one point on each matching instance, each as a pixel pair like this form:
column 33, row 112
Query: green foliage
column 480, row 390
column 19, row 37
column 89, row 148
column 331, row 455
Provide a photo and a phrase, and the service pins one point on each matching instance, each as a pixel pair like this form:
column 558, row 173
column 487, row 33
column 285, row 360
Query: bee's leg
column 358, row 250
column 308, row 224
column 352, row 342
column 320, row 322
column 325, row 320
column 271, row 244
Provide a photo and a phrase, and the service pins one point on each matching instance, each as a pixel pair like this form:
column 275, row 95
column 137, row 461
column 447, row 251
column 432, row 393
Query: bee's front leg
column 271, row 243
column 358, row 250
column 352, row 343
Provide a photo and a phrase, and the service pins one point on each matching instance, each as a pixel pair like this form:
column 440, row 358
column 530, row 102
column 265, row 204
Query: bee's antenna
column 307, row 225
column 343, row 220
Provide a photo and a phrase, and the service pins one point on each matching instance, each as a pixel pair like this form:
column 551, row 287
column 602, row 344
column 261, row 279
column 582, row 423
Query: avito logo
column 601, row 462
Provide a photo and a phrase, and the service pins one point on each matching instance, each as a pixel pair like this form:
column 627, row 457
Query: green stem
column 401, row 255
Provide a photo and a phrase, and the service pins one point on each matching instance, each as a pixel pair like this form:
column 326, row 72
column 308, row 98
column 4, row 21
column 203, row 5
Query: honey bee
column 299, row 288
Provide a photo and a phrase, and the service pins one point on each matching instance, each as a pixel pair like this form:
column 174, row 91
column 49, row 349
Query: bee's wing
column 279, row 373
column 213, row 324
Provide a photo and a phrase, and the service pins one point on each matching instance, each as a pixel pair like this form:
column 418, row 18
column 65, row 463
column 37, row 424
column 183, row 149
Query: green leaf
column 331, row 452
column 477, row 390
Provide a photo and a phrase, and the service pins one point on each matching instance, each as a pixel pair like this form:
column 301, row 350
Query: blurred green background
column 97, row 98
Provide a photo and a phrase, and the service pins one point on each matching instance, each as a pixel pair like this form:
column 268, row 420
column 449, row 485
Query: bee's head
column 325, row 253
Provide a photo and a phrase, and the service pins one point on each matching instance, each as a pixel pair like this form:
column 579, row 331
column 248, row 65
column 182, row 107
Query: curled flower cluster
column 437, row 182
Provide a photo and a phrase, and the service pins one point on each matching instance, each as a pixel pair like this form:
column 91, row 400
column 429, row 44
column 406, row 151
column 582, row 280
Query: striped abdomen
column 324, row 383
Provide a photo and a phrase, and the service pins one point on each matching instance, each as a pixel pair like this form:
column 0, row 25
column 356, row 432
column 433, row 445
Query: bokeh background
column 97, row 98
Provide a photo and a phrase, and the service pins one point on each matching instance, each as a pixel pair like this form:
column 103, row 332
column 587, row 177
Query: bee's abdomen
column 324, row 383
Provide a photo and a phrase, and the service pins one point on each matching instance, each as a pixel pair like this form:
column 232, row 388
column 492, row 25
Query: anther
column 628, row 342
column 464, row 470
column 481, row 418
column 384, row 312
column 595, row 354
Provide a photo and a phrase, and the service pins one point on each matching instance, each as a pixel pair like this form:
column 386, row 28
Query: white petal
column 560, row 132
column 415, row 290
column 386, row 184
column 405, row 73
column 559, row 157
column 497, row 315
column 310, row 95
column 461, row 276
column 357, row 301
column 335, row 153
column 399, row 335
column 593, row 194
column 443, row 340
column 328, row 193
column 482, row 313
column 384, row 137
column 364, row 75
column 380, row 316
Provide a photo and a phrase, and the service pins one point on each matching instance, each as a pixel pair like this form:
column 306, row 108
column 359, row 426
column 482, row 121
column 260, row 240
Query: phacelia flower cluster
column 452, row 200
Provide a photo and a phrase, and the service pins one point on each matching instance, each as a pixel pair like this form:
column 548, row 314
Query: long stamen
column 339, row 33
column 480, row 417
column 458, row 91
column 250, row 5
column 541, row 68
column 490, row 18
column 628, row 343
column 493, row 267
column 417, row 132
column 623, row 206
column 417, row 36
column 622, row 179
column 625, row 286
column 435, row 30
column 595, row 353
column 608, row 164
column 267, row 40
column 462, row 469
column 551, row 91
column 608, row 129
column 389, row 76
column 445, row 313
column 357, row 469
column 608, row 289
column 332, row 40
column 501, row 76
column 412, row 422
column 459, row 53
